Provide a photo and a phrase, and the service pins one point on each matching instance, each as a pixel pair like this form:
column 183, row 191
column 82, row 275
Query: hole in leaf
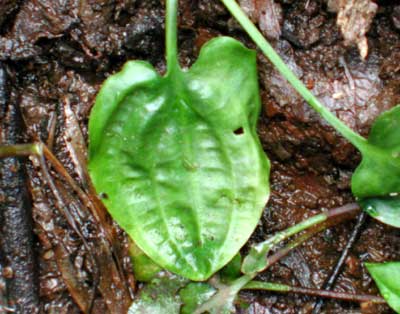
column 239, row 131
column 103, row 196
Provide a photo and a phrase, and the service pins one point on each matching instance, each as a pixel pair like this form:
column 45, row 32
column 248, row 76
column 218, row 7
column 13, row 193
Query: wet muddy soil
column 54, row 56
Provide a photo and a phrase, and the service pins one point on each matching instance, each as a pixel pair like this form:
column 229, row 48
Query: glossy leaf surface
column 387, row 277
column 179, row 160
column 376, row 182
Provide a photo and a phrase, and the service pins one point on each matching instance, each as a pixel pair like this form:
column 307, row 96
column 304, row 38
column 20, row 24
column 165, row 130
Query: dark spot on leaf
column 239, row 131
column 103, row 196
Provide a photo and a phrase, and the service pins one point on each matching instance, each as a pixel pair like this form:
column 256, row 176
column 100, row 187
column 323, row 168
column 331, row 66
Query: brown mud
column 54, row 56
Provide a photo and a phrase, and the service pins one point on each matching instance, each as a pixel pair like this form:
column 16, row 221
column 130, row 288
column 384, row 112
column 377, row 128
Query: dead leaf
column 268, row 15
column 354, row 20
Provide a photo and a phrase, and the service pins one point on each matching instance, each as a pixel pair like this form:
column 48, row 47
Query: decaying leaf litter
column 321, row 175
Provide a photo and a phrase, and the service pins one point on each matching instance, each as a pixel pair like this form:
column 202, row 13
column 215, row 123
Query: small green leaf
column 384, row 209
column 256, row 260
column 376, row 181
column 144, row 268
column 195, row 294
column 179, row 157
column 160, row 296
column 222, row 301
column 232, row 270
column 387, row 277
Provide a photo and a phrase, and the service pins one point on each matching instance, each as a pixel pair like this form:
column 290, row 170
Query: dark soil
column 55, row 54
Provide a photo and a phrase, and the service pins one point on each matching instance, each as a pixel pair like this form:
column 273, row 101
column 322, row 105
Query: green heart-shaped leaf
column 376, row 182
column 387, row 277
column 179, row 160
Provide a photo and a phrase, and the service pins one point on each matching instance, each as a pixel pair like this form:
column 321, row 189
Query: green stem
column 171, row 37
column 354, row 138
column 257, row 256
column 20, row 150
column 256, row 260
column 334, row 217
column 310, row 222
column 313, row 221
column 277, row 287
column 224, row 296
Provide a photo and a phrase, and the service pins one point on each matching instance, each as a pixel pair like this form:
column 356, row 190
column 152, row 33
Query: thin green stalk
column 285, row 234
column 277, row 287
column 171, row 37
column 334, row 216
column 20, row 150
column 224, row 296
column 256, row 261
column 357, row 140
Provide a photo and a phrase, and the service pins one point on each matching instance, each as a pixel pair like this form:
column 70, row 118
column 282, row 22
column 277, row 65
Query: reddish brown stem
column 107, row 255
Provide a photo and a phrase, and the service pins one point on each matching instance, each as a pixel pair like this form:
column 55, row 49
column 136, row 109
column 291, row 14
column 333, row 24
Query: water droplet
column 386, row 296
column 372, row 211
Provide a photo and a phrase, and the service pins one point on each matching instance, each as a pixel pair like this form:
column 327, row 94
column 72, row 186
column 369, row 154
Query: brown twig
column 51, row 130
column 16, row 240
column 96, row 207
column 77, row 288
column 329, row 283
column 63, row 209
column 107, row 253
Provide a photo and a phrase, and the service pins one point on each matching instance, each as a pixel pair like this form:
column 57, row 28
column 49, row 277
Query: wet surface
column 19, row 270
column 59, row 52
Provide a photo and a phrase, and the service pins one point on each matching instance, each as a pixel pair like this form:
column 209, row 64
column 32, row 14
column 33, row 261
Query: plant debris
column 354, row 20
column 267, row 14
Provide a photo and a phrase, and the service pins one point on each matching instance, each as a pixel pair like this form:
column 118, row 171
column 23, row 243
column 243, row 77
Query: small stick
column 63, row 208
column 51, row 127
column 42, row 153
column 269, row 286
column 328, row 285
column 39, row 149
column 17, row 253
column 91, row 201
